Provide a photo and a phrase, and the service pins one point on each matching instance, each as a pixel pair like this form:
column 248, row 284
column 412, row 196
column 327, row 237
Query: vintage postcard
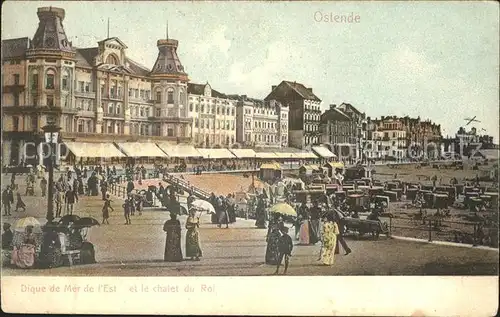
column 256, row 158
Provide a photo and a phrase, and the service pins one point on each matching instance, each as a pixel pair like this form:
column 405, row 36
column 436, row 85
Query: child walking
column 126, row 211
column 105, row 210
column 285, row 247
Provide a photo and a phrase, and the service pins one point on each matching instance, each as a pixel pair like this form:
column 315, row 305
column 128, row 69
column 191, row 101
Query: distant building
column 213, row 115
column 464, row 143
column 304, row 112
column 393, row 137
column 95, row 94
column 261, row 123
column 339, row 132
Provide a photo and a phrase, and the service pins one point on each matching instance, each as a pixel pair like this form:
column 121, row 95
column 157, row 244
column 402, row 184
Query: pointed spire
column 108, row 29
column 167, row 29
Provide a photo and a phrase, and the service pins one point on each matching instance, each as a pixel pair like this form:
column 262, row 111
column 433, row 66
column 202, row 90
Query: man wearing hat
column 7, row 237
column 7, row 200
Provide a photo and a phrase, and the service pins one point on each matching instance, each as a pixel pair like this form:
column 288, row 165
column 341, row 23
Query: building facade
column 304, row 112
column 213, row 115
column 338, row 131
column 396, row 138
column 261, row 123
column 94, row 94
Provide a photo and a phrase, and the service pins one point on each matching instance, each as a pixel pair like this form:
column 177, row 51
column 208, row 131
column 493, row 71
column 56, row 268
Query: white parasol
column 203, row 205
column 22, row 223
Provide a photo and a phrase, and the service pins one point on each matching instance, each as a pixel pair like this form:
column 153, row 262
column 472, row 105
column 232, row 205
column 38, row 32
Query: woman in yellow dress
column 330, row 232
column 193, row 249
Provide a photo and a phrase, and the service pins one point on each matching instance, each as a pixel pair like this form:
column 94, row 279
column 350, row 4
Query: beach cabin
column 270, row 171
column 332, row 167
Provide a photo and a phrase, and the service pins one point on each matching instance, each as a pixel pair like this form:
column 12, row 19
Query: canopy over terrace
column 243, row 153
column 93, row 150
column 137, row 149
column 323, row 152
column 179, row 150
column 216, row 153
column 306, row 155
column 266, row 155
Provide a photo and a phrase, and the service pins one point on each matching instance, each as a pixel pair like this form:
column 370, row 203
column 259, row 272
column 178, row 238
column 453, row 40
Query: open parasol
column 86, row 222
column 284, row 209
column 67, row 219
column 203, row 205
column 22, row 223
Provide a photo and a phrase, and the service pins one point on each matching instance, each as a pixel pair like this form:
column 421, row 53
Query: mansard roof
column 15, row 48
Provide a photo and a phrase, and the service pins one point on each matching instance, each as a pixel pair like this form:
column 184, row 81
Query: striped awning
column 266, row 155
column 323, row 152
column 179, row 150
column 84, row 149
column 243, row 153
column 138, row 149
column 284, row 155
column 272, row 166
column 306, row 155
column 216, row 153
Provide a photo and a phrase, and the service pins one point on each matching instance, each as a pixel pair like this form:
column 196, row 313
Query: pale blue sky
column 438, row 60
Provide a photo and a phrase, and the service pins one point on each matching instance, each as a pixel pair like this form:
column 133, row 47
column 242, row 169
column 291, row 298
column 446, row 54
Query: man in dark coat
column 7, row 200
column 7, row 237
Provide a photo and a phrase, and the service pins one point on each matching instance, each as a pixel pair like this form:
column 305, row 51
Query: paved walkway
column 137, row 250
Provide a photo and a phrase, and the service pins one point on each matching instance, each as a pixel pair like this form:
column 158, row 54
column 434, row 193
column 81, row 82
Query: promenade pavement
column 137, row 250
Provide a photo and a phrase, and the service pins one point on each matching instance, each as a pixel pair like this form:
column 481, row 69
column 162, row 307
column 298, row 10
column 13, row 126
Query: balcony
column 16, row 88
column 140, row 100
column 113, row 115
column 171, row 119
column 85, row 94
column 117, row 97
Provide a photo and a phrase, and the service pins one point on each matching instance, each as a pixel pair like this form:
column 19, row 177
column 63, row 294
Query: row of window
column 268, row 138
column 217, row 139
column 214, row 124
column 311, row 140
column 312, row 107
column 312, row 117
column 139, row 93
column 311, row 127
column 33, row 123
column 214, row 101
column 212, row 109
column 50, row 79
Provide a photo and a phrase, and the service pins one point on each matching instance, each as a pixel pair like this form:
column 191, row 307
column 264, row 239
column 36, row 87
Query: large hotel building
column 99, row 94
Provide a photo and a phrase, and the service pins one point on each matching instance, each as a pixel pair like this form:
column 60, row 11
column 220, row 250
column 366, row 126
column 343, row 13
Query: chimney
column 333, row 106
column 273, row 87
column 310, row 90
column 244, row 97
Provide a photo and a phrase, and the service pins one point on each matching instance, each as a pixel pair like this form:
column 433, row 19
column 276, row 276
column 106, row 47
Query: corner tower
column 51, row 69
column 169, row 88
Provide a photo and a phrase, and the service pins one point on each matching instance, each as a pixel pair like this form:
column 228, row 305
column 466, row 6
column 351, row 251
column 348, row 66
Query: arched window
column 50, row 79
column 191, row 107
column 170, row 96
column 111, row 59
column 158, row 96
column 118, row 109
column 110, row 108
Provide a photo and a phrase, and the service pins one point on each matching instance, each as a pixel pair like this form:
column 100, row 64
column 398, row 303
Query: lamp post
column 51, row 132
column 253, row 172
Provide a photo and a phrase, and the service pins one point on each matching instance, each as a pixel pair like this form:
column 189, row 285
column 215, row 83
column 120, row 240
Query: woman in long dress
column 304, row 225
column 172, row 227
column 193, row 249
column 272, row 239
column 330, row 232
